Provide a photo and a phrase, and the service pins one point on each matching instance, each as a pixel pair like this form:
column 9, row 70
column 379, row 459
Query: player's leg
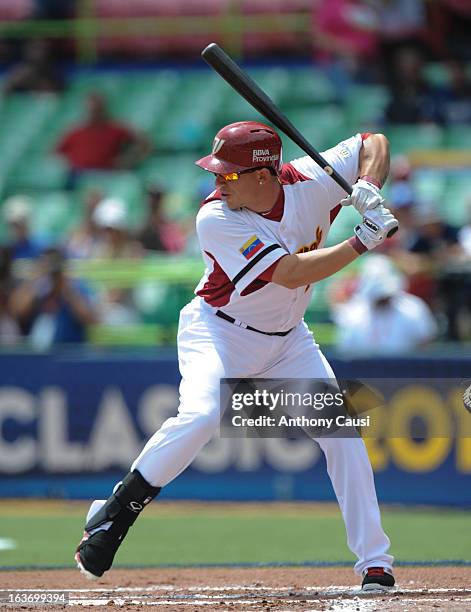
column 348, row 464
column 205, row 355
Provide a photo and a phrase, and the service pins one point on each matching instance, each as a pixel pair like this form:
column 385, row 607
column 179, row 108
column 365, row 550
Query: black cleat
column 377, row 579
column 95, row 553
column 109, row 523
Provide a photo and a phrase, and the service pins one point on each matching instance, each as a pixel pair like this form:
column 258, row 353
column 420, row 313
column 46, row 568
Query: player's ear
column 263, row 175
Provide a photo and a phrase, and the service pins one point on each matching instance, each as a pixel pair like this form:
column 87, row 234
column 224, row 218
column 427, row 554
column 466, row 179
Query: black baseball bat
column 248, row 89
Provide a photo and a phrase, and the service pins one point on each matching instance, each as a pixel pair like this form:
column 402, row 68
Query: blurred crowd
column 414, row 292
column 40, row 299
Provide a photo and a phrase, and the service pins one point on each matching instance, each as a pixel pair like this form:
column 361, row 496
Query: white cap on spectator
column 379, row 278
column 111, row 212
column 17, row 209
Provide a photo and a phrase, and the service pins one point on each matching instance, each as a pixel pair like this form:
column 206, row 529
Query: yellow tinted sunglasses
column 234, row 176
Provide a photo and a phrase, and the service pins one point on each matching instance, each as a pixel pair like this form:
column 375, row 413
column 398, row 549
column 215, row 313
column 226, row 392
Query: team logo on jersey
column 311, row 247
column 252, row 246
column 314, row 245
column 217, row 145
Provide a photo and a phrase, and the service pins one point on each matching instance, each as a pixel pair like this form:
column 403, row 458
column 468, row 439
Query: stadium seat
column 54, row 215
column 160, row 303
column 406, row 138
column 365, row 105
column 148, row 97
column 22, row 117
column 38, row 172
column 323, row 127
column 458, row 137
column 186, row 124
column 306, row 87
column 436, row 74
column 456, row 201
column 342, row 227
column 175, row 172
column 429, row 185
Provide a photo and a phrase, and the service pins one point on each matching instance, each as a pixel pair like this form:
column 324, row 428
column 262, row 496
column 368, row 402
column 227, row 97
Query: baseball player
column 262, row 234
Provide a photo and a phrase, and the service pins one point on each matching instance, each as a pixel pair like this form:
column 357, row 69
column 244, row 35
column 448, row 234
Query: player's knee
column 207, row 422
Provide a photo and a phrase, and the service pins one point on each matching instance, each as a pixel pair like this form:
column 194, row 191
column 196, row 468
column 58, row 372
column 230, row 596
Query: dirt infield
column 421, row 589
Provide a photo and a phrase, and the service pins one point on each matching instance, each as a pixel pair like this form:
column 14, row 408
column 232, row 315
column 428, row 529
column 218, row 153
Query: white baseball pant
column 211, row 348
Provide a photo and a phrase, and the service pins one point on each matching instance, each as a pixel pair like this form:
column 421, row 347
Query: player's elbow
column 285, row 272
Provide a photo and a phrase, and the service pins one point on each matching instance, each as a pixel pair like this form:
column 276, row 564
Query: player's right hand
column 375, row 227
column 365, row 196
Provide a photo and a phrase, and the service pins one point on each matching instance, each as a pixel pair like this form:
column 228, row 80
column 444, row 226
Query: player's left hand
column 365, row 196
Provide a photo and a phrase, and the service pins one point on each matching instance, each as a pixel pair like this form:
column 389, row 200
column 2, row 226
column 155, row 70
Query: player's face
column 241, row 189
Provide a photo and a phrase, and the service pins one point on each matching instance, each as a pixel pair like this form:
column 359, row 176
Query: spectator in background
column 158, row 233
column 402, row 201
column 100, row 143
column 17, row 214
column 464, row 234
column 412, row 100
column 52, row 307
column 9, row 329
column 116, row 304
column 83, row 240
column 435, row 238
column 345, row 40
column 435, row 250
column 114, row 242
column 36, row 73
column 54, row 9
column 450, row 25
column 401, row 24
column 457, row 96
column 381, row 317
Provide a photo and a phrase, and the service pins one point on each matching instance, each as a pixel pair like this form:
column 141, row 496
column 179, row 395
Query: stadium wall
column 71, row 423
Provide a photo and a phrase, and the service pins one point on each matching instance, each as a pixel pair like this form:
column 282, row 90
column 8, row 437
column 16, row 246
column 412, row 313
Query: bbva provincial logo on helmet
column 263, row 155
column 243, row 145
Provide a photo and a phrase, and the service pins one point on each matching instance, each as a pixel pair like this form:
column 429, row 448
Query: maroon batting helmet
column 243, row 145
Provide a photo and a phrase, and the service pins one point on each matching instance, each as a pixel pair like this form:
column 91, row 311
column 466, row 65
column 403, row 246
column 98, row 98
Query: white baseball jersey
column 238, row 246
